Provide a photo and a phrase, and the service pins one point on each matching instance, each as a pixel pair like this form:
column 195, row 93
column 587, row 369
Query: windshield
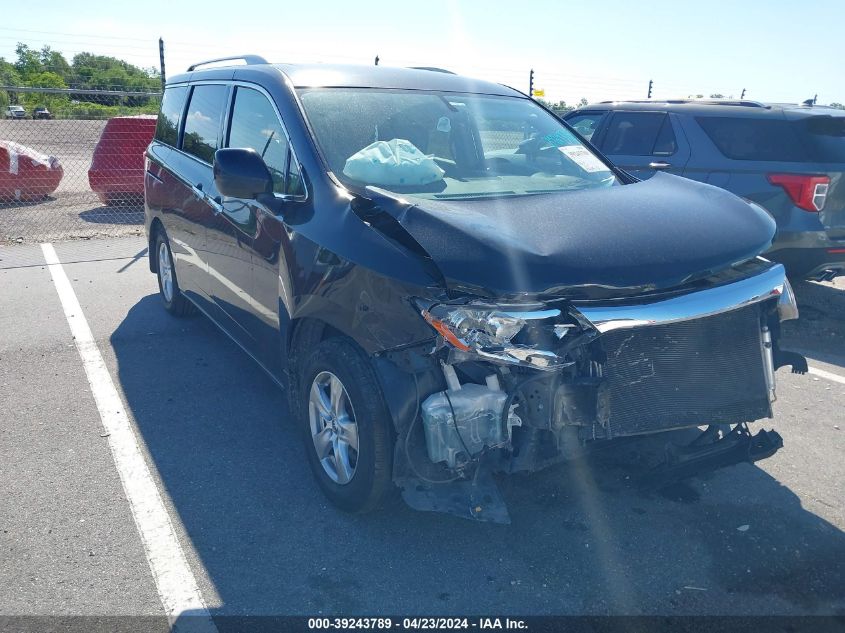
column 448, row 145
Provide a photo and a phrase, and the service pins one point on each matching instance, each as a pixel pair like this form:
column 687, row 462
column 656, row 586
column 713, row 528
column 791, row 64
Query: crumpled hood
column 649, row 235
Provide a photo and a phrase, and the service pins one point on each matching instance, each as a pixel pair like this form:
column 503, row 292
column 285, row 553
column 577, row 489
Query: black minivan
column 448, row 282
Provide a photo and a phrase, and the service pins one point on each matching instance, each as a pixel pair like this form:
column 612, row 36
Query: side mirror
column 241, row 173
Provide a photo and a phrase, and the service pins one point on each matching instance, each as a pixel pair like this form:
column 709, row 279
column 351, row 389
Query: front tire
column 168, row 286
column 346, row 426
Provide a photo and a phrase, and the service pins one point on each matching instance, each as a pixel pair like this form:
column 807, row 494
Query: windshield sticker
column 560, row 138
column 582, row 157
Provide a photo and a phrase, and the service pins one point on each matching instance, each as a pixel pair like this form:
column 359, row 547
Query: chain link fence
column 71, row 168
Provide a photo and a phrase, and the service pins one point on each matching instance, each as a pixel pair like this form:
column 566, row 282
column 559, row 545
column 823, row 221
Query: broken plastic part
column 477, row 499
column 493, row 382
column 562, row 329
column 451, row 377
column 734, row 447
column 787, row 305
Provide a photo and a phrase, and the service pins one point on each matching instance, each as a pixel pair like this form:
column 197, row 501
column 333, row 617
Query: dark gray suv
column 790, row 159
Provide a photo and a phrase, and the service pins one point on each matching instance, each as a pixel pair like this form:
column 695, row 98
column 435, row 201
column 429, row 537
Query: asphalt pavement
column 259, row 538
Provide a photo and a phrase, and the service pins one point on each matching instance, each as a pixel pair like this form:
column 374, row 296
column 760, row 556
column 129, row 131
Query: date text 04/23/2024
column 425, row 624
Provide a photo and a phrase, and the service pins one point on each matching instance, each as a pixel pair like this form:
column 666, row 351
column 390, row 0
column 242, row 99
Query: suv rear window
column 817, row 139
column 826, row 138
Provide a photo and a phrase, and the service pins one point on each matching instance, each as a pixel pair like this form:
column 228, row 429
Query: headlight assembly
column 488, row 332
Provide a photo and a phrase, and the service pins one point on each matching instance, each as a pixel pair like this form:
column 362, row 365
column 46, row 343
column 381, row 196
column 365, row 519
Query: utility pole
column 742, row 96
column 650, row 84
column 161, row 62
column 531, row 83
column 376, row 60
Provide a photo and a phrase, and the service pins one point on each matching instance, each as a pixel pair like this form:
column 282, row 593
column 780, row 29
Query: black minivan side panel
column 353, row 266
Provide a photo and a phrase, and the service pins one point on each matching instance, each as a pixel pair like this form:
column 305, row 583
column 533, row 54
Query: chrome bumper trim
column 766, row 285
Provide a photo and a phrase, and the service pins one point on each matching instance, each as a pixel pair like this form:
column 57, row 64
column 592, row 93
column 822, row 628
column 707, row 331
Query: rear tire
column 168, row 286
column 346, row 426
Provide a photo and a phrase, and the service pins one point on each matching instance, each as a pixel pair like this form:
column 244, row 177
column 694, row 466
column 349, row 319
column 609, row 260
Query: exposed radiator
column 703, row 371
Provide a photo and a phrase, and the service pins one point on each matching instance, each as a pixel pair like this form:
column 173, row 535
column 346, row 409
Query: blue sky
column 776, row 50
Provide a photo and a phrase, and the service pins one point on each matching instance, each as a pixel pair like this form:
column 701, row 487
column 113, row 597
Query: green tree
column 48, row 68
column 29, row 61
column 49, row 100
column 47, row 80
column 98, row 72
column 9, row 76
column 54, row 62
column 838, row 106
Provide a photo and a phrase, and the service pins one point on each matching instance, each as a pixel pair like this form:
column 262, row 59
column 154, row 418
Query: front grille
column 703, row 371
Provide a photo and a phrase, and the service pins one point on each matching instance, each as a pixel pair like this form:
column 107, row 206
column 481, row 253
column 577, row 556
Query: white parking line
column 821, row 373
column 176, row 585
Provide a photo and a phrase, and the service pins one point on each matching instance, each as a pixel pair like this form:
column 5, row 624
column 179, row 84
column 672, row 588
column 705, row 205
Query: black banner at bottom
column 524, row 624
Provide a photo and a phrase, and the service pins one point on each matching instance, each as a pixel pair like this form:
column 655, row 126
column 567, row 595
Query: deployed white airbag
column 394, row 162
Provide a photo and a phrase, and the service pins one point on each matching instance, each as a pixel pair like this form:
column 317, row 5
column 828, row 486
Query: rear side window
column 756, row 139
column 825, row 136
column 639, row 134
column 665, row 145
column 255, row 125
column 202, row 123
column 586, row 123
column 172, row 104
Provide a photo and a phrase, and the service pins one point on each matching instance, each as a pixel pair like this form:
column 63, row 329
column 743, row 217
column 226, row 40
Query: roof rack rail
column 249, row 59
column 746, row 103
column 731, row 102
column 432, row 69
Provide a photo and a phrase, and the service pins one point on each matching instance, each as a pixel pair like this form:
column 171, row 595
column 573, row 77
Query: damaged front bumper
column 510, row 389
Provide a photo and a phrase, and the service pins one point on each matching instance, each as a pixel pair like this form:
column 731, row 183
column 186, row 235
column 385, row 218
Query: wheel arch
column 306, row 333
column 303, row 334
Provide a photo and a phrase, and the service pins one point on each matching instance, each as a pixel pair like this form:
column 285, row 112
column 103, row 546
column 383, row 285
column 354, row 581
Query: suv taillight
column 807, row 192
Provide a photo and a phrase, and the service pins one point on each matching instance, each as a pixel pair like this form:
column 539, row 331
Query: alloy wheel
column 165, row 271
column 334, row 428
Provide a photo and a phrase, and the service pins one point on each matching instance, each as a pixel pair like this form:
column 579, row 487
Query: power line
column 85, row 35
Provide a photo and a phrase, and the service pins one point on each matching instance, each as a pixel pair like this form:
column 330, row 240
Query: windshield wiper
column 480, row 194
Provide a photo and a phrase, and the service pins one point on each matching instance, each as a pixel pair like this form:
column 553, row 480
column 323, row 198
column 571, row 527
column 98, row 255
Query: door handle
column 660, row 165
